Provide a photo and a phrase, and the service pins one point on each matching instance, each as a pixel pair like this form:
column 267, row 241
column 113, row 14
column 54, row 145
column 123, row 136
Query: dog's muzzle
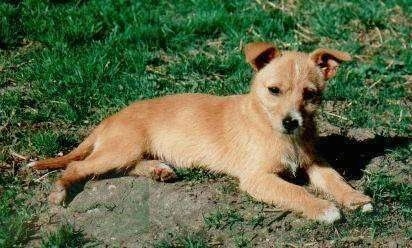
column 290, row 124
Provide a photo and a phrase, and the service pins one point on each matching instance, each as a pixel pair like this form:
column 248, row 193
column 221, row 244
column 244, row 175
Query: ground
column 65, row 65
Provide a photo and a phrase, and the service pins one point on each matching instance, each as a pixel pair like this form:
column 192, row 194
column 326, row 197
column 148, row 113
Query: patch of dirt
column 131, row 211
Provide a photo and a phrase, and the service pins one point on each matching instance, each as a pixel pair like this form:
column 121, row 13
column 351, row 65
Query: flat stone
column 360, row 134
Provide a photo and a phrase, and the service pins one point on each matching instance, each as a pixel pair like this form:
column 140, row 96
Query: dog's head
column 289, row 85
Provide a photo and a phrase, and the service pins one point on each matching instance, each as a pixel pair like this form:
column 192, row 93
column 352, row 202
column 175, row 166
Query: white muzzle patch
column 296, row 115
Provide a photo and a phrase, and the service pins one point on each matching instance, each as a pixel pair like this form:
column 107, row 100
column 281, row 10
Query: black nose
column 290, row 124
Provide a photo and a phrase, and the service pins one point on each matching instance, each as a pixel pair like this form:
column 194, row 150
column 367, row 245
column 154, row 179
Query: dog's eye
column 274, row 90
column 309, row 95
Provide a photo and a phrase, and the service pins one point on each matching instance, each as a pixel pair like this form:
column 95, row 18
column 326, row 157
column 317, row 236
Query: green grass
column 65, row 236
column 196, row 174
column 15, row 215
column 384, row 189
column 67, row 64
column 223, row 218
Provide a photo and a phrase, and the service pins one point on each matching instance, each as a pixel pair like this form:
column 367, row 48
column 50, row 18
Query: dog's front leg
column 270, row 188
column 329, row 181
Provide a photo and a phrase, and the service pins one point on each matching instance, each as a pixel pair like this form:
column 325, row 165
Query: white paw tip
column 164, row 166
column 330, row 215
column 367, row 208
column 57, row 197
column 31, row 164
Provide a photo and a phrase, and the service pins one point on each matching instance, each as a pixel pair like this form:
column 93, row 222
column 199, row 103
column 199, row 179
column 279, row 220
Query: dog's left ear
column 259, row 54
column 328, row 60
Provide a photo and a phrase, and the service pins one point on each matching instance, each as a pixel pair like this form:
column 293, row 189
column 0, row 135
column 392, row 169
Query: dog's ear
column 259, row 54
column 328, row 60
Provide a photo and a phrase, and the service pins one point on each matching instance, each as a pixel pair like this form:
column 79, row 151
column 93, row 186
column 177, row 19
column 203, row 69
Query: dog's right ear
column 259, row 54
column 328, row 60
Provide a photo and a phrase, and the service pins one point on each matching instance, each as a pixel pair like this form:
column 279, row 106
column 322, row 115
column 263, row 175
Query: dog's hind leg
column 107, row 158
column 154, row 169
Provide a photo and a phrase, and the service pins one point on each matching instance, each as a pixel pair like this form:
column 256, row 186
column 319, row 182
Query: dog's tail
column 79, row 153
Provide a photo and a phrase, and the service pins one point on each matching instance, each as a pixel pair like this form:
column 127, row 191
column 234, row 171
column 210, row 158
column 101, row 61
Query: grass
column 222, row 219
column 67, row 64
column 386, row 189
column 15, row 215
column 65, row 236
column 196, row 175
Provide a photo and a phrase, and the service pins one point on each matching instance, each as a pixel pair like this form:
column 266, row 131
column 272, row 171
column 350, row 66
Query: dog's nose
column 290, row 124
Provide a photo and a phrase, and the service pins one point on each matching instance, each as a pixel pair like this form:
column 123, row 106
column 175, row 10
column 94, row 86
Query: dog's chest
column 292, row 158
column 291, row 163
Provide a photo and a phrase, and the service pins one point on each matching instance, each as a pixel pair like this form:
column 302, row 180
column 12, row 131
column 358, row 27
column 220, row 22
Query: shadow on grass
column 350, row 157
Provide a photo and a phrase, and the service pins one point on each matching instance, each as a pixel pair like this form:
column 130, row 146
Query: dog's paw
column 322, row 211
column 31, row 164
column 329, row 215
column 58, row 195
column 162, row 172
column 355, row 200
column 367, row 208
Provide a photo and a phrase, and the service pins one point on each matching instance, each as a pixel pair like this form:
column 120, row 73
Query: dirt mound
column 133, row 212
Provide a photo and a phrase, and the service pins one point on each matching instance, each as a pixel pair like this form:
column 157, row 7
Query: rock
column 326, row 129
column 360, row 134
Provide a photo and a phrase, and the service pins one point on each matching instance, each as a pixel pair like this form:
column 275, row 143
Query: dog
column 255, row 137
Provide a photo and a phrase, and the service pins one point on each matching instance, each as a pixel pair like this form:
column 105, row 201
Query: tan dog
column 255, row 137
